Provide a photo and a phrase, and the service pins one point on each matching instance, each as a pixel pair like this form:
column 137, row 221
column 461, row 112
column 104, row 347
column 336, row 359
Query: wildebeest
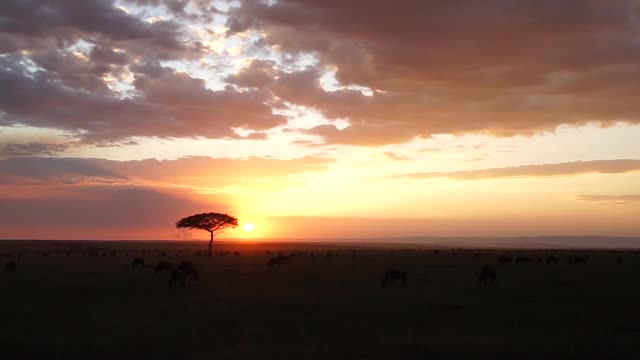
column 578, row 259
column 10, row 266
column 394, row 274
column 523, row 259
column 162, row 266
column 551, row 260
column 137, row 262
column 277, row 260
column 188, row 268
column 487, row 275
column 504, row 259
column 178, row 276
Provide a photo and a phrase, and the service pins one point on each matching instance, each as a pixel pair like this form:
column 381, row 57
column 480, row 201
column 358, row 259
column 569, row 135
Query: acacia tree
column 214, row 223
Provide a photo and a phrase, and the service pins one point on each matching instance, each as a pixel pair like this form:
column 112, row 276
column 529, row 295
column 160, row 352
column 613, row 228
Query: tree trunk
column 210, row 243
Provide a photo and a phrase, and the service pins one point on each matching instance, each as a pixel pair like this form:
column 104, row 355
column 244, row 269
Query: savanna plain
column 85, row 300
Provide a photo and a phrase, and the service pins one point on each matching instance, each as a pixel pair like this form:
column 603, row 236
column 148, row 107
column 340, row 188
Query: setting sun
column 248, row 227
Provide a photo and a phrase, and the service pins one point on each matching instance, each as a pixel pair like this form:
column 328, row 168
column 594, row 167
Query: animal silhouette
column 578, row 259
column 178, row 277
column 188, row 269
column 162, row 266
column 137, row 262
column 487, row 275
column 393, row 275
column 551, row 260
column 278, row 260
column 10, row 266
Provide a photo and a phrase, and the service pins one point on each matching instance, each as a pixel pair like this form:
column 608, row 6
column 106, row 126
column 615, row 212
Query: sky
column 319, row 119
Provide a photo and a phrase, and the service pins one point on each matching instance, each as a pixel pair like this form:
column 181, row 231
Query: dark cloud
column 495, row 66
column 542, row 170
column 32, row 149
column 54, row 85
column 168, row 104
column 189, row 171
column 34, row 23
column 258, row 74
column 54, row 168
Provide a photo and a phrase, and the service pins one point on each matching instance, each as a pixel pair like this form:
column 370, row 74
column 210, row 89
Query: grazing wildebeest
column 188, row 268
column 523, row 259
column 10, row 266
column 394, row 274
column 278, row 260
column 487, row 275
column 539, row 260
column 178, row 276
column 137, row 262
column 504, row 259
column 619, row 260
column 580, row 259
column 551, row 260
column 162, row 266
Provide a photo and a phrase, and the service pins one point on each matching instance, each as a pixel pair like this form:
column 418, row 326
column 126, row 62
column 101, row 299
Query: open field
column 83, row 300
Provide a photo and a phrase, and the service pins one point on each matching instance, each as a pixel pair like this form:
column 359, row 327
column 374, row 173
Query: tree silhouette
column 214, row 223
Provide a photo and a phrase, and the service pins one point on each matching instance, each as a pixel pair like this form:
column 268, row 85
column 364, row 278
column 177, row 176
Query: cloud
column 94, row 70
column 67, row 21
column 622, row 199
column 430, row 150
column 168, row 104
column 195, row 171
column 395, row 157
column 498, row 66
column 42, row 168
column 32, row 149
column 539, row 170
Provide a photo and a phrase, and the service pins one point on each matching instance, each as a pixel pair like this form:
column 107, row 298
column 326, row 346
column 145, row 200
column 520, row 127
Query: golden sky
column 332, row 119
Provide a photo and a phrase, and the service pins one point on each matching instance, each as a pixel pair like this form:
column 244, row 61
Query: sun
column 248, row 227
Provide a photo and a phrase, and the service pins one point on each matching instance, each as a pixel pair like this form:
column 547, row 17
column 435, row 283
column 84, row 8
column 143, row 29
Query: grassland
column 62, row 303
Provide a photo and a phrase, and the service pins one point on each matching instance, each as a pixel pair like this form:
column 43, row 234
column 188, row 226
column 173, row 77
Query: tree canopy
column 214, row 223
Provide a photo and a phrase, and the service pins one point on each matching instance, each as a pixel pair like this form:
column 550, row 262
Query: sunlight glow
column 248, row 227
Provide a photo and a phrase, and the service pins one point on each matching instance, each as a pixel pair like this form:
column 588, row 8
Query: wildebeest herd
column 149, row 300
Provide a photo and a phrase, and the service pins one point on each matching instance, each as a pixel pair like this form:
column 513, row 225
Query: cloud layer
column 617, row 166
column 498, row 66
column 94, row 70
